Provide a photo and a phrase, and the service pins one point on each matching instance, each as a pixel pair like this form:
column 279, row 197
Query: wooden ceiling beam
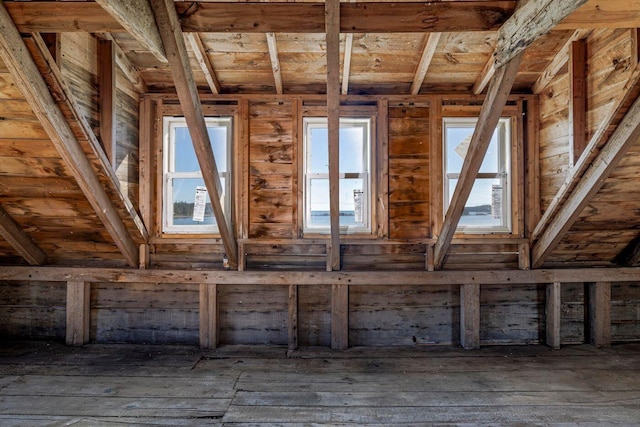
column 488, row 118
column 533, row 19
column 20, row 241
column 430, row 44
column 176, row 50
column 603, row 14
column 27, row 76
column 384, row 17
column 203, row 59
column 558, row 62
column 626, row 134
column 275, row 61
column 137, row 19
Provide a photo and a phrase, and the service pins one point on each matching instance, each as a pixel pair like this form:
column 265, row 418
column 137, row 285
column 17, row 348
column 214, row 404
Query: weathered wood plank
column 78, row 313
column 470, row 316
column 339, row 317
column 553, row 314
column 600, row 314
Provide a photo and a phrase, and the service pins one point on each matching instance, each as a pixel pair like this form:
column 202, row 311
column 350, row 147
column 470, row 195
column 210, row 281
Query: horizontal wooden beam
column 315, row 278
column 384, row 17
column 603, row 14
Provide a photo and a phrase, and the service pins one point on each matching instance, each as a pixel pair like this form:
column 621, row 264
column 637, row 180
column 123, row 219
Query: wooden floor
column 45, row 383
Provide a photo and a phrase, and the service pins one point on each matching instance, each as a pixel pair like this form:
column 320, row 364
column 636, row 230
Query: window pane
column 218, row 138
column 318, row 203
column 352, row 202
column 318, row 151
column 351, row 149
column 458, row 138
column 185, row 159
column 492, row 158
column 486, row 206
column 184, row 193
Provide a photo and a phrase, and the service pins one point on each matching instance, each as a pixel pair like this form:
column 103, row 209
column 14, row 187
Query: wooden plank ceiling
column 280, row 48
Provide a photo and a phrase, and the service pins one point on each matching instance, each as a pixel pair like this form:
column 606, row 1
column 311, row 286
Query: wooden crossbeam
column 19, row 240
column 275, row 61
column 25, row 72
column 316, row 278
column 254, row 17
column 333, row 124
column 137, row 19
column 533, row 19
column 488, row 119
column 176, row 50
column 430, row 45
column 203, row 60
column 625, row 135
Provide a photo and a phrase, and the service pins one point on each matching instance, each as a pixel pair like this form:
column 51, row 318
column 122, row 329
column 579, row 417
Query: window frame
column 169, row 124
column 367, row 123
column 506, row 173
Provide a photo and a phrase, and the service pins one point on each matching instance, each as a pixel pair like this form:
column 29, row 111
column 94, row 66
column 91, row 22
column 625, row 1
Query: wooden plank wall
column 126, row 165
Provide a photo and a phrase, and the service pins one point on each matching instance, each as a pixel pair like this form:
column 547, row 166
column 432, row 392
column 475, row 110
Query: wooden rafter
column 558, row 62
column 430, row 44
column 203, row 60
column 137, row 19
column 19, row 240
column 625, row 135
column 333, row 121
column 275, row 61
column 533, row 19
column 25, row 72
column 485, row 77
column 176, row 50
column 346, row 63
column 488, row 118
column 254, row 17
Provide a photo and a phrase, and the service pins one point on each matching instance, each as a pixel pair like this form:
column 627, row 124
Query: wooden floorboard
column 49, row 384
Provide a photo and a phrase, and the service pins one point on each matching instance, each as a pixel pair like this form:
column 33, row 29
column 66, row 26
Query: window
column 488, row 208
column 354, row 170
column 187, row 206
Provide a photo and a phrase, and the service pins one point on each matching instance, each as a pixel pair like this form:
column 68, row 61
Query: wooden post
column 78, row 313
column 578, row 99
column 107, row 83
column 553, row 305
column 524, row 256
column 600, row 314
column 145, row 260
column 470, row 316
column 339, row 317
column 208, row 316
column 293, row 317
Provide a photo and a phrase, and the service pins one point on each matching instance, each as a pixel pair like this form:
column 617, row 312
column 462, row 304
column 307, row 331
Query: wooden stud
column 382, row 169
column 488, row 119
column 130, row 72
column 208, row 316
column 333, row 123
column 430, row 44
column 297, row 187
column 339, row 317
column 145, row 256
column 553, row 314
column 293, row 317
column 203, row 60
column 78, row 313
column 559, row 61
column 635, row 46
column 625, row 135
column 528, row 23
column 107, row 86
column 346, row 63
column 19, row 240
column 470, row 316
column 242, row 257
column 137, row 18
column 600, row 314
column 275, row 62
column 242, row 168
column 176, row 51
column 524, row 256
column 532, row 166
column 429, row 265
column 517, row 138
column 436, row 211
column 20, row 63
column 577, row 99
column 146, row 142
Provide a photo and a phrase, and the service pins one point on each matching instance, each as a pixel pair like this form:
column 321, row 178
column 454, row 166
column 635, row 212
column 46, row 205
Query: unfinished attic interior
column 304, row 174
